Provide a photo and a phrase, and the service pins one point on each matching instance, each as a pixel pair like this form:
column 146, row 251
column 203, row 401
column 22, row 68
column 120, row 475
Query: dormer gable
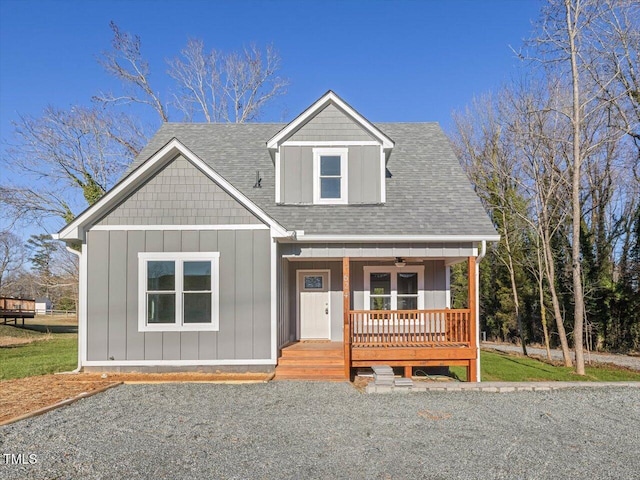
column 330, row 154
column 335, row 109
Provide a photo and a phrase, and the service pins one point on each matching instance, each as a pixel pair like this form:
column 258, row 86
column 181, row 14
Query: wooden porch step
column 304, row 372
column 311, row 361
column 315, row 350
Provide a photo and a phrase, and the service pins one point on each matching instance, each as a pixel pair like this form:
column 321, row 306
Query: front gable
column 128, row 186
column 179, row 194
column 330, row 154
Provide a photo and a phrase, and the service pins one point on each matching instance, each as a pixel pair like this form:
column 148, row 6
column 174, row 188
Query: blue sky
column 392, row 61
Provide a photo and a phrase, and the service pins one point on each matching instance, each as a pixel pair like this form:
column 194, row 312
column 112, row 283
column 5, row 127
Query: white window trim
column 393, row 270
column 383, row 177
column 179, row 258
column 278, row 166
column 343, row 153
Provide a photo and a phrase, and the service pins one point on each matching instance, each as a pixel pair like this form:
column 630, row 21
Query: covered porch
column 380, row 311
column 411, row 338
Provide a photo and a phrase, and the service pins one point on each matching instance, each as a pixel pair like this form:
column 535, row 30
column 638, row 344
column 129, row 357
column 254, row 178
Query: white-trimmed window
column 330, row 175
column 394, row 288
column 178, row 291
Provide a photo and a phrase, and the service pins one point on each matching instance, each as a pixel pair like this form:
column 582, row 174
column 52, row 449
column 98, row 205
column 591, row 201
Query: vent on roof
column 258, row 183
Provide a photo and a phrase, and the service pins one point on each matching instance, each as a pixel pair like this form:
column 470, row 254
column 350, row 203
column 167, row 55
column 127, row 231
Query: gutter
column 79, row 255
column 483, row 251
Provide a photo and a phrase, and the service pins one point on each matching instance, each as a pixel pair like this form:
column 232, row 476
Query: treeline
column 53, row 271
column 555, row 158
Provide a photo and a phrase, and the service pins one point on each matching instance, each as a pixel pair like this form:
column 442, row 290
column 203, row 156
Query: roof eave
column 302, row 237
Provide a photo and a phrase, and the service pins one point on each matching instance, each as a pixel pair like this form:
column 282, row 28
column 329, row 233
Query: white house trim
column 74, row 230
column 321, row 103
column 242, row 226
column 343, row 153
column 82, row 302
column 278, row 165
column 383, row 177
column 447, row 286
column 179, row 258
column 301, row 237
column 419, row 269
column 324, row 143
column 177, row 363
column 274, row 298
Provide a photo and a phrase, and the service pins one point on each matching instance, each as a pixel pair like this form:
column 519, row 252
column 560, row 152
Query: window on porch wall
column 395, row 290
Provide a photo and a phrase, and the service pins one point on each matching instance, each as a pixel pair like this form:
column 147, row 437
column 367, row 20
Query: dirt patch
column 25, row 395
column 15, row 341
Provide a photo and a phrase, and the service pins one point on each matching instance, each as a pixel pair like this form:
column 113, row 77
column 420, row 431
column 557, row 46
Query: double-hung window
column 330, row 175
column 178, row 291
column 394, row 288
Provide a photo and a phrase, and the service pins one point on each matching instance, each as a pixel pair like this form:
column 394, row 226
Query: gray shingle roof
column 427, row 194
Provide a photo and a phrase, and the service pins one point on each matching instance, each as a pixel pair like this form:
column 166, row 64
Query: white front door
column 313, row 292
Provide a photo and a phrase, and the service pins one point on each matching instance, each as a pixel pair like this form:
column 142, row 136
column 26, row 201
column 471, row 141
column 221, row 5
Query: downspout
column 78, row 310
column 483, row 252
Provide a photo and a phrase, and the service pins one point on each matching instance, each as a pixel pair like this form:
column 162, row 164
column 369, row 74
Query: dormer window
column 330, row 175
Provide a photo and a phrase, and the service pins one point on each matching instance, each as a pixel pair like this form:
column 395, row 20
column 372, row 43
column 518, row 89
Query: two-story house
column 310, row 248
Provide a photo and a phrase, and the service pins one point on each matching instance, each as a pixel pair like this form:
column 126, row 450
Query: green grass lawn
column 47, row 353
column 58, row 352
column 502, row 367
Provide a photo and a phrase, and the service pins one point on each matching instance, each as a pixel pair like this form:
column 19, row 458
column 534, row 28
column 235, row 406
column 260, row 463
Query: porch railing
column 407, row 328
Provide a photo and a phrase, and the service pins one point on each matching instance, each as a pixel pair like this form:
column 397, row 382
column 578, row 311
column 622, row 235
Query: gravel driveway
column 556, row 354
column 298, row 430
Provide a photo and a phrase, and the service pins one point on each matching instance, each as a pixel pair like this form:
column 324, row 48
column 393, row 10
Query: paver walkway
column 494, row 387
column 621, row 360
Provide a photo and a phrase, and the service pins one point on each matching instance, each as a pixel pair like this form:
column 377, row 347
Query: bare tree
column 567, row 48
column 197, row 74
column 249, row 82
column 492, row 167
column 66, row 160
column 213, row 86
column 223, row 87
column 12, row 257
column 125, row 62
column 615, row 43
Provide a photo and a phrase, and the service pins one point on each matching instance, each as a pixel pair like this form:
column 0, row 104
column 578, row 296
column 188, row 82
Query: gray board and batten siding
column 245, row 278
column 112, row 296
column 435, row 292
column 363, row 173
